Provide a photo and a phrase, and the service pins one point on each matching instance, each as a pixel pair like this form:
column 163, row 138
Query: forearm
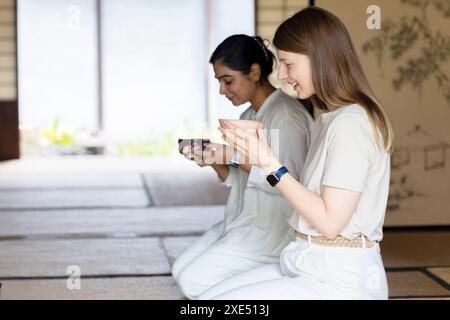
column 328, row 212
column 222, row 170
column 245, row 167
column 311, row 206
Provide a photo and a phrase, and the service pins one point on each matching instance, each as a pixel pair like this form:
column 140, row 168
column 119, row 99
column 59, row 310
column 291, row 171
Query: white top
column 256, row 213
column 344, row 155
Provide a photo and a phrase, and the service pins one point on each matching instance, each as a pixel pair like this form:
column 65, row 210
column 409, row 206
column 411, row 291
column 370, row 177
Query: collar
column 258, row 116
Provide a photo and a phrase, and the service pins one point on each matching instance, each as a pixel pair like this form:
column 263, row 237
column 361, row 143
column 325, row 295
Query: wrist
column 276, row 176
column 273, row 166
column 235, row 159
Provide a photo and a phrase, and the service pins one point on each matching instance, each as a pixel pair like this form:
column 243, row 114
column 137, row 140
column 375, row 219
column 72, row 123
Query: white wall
column 228, row 17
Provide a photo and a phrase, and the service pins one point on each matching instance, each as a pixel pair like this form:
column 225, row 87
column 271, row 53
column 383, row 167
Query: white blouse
column 256, row 213
column 343, row 154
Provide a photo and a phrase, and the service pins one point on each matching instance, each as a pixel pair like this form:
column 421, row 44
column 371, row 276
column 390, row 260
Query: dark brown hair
column 239, row 52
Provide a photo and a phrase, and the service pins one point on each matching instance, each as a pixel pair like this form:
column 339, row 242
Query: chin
column 302, row 95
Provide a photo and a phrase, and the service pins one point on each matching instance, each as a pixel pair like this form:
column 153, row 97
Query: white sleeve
column 293, row 140
column 349, row 150
column 228, row 182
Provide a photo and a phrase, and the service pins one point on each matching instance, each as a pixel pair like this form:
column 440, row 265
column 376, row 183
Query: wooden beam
column 9, row 130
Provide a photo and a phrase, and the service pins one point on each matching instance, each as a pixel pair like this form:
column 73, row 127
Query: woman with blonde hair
column 340, row 199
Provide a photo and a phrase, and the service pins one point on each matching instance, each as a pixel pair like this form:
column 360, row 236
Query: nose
column 282, row 74
column 223, row 89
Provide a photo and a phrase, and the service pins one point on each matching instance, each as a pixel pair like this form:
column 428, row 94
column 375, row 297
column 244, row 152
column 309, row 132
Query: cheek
column 297, row 74
column 233, row 89
column 240, row 89
column 303, row 75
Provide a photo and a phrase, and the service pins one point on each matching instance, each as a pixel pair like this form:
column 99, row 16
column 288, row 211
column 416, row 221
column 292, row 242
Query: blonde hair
column 337, row 74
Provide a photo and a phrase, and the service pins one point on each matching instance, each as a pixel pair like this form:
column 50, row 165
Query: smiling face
column 237, row 87
column 295, row 68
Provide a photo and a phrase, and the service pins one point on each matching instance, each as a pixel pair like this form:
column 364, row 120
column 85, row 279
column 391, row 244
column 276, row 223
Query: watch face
column 272, row 179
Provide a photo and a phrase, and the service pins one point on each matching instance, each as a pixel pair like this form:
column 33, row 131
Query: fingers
column 198, row 153
column 227, row 124
column 204, row 157
column 230, row 137
column 242, row 134
column 235, row 134
column 192, row 153
column 254, row 147
column 262, row 137
column 186, row 151
column 260, row 133
column 246, row 143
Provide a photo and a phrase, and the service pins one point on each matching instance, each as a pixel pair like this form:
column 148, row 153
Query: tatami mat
column 441, row 273
column 40, row 258
column 123, row 223
column 79, row 223
column 154, row 288
column 413, row 283
column 201, row 187
column 416, row 249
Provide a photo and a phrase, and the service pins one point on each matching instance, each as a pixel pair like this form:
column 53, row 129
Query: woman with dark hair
column 255, row 228
column 340, row 201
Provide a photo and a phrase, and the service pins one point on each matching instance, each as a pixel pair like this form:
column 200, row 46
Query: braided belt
column 339, row 241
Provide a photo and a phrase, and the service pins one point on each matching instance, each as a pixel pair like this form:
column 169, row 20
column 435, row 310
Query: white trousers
column 208, row 262
column 308, row 271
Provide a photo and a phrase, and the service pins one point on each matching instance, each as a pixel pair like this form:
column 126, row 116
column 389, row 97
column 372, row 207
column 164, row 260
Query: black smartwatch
column 275, row 176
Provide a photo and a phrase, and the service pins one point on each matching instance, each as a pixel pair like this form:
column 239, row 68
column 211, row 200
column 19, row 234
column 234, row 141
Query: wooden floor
column 122, row 223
